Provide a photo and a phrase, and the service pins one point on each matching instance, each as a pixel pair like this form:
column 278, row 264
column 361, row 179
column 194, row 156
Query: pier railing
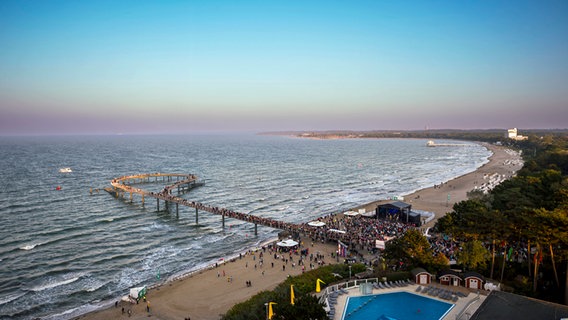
column 122, row 185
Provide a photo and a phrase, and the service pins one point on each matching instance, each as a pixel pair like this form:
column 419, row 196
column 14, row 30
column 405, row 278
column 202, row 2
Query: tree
column 463, row 221
column 553, row 233
column 306, row 306
column 468, row 215
column 494, row 228
column 473, row 255
column 412, row 248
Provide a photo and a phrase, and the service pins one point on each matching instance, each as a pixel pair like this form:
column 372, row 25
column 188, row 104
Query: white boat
column 65, row 170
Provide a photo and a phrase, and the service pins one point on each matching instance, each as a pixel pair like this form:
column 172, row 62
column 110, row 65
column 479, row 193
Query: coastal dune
column 212, row 292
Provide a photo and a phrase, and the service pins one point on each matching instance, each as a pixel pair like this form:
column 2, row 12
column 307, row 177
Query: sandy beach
column 503, row 162
column 208, row 294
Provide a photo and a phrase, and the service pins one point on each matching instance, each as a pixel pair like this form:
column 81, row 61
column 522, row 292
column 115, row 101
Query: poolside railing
column 469, row 304
column 345, row 285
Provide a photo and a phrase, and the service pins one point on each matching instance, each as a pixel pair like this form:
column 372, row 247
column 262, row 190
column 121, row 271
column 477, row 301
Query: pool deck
column 451, row 315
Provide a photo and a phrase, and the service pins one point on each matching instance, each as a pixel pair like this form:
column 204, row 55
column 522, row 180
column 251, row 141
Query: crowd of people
column 442, row 244
column 360, row 233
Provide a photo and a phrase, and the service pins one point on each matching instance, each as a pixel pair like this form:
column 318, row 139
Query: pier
column 182, row 183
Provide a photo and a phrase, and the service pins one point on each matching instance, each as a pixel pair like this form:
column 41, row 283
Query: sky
column 107, row 67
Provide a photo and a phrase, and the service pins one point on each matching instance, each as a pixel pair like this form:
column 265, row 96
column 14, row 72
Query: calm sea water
column 66, row 252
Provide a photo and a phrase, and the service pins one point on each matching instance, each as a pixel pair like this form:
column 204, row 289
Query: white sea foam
column 30, row 246
column 92, row 284
column 10, row 297
column 78, row 311
column 157, row 226
column 55, row 282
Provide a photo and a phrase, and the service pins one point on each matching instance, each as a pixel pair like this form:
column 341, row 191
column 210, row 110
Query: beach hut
column 473, row 280
column 421, row 276
column 450, row 278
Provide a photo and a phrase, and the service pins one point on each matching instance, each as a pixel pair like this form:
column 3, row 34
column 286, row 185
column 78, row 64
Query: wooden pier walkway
column 183, row 183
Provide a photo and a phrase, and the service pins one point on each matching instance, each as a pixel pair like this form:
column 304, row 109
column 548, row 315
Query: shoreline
column 208, row 266
column 432, row 198
column 204, row 294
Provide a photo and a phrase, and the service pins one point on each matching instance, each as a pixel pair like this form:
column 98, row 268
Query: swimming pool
column 395, row 306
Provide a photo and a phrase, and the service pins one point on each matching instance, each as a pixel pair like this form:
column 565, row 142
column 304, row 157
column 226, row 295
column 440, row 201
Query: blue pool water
column 395, row 306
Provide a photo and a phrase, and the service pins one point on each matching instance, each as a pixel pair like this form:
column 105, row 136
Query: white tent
column 316, row 223
column 351, row 213
column 287, row 243
column 138, row 293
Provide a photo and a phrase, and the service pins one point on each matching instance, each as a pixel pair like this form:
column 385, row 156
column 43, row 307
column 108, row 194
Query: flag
column 270, row 312
column 318, row 288
column 341, row 249
column 510, row 254
column 292, row 294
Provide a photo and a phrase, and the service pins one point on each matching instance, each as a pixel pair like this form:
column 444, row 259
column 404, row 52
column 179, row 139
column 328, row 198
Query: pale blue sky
column 188, row 66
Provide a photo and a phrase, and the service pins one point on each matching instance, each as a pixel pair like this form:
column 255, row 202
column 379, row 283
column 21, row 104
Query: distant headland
column 487, row 135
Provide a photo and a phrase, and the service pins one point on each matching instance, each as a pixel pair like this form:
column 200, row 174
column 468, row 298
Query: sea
column 66, row 249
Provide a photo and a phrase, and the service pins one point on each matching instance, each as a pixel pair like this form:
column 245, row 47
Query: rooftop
column 502, row 305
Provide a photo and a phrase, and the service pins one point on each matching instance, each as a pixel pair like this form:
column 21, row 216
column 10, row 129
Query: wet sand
column 208, row 294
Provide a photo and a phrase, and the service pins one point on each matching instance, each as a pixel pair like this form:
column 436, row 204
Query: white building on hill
column 512, row 134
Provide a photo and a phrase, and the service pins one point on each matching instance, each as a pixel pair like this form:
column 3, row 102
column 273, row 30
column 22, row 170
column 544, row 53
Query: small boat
column 65, row 170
